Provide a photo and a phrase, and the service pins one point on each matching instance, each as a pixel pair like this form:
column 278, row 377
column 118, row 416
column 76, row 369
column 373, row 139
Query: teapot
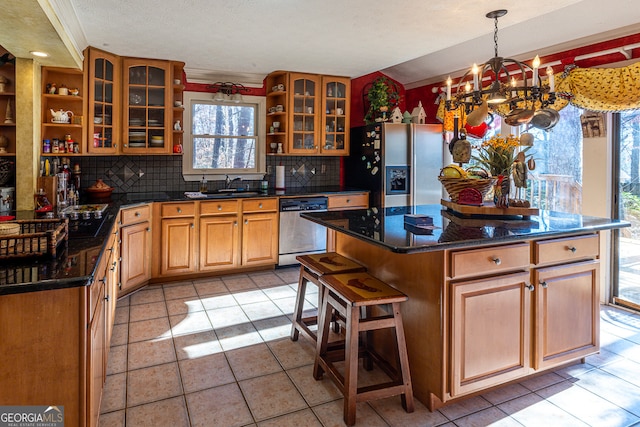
column 61, row 116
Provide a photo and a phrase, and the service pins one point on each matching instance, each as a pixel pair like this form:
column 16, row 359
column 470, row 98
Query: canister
column 7, row 198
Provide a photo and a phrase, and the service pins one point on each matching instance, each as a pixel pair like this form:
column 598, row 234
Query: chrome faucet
column 228, row 181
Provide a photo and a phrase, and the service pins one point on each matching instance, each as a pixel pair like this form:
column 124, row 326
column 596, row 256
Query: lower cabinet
column 178, row 245
column 259, row 232
column 219, row 236
column 97, row 367
column 135, row 247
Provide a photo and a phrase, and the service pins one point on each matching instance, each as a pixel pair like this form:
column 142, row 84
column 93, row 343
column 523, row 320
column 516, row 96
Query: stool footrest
column 374, row 323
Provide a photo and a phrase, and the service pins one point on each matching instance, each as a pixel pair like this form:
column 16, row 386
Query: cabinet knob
column 219, row 207
column 497, row 261
column 179, row 210
column 530, row 287
column 126, row 145
column 115, row 145
column 235, row 223
column 260, row 205
column 148, row 228
column 348, row 200
column 573, row 249
column 544, row 284
column 191, row 225
column 246, row 221
column 106, row 298
column 137, row 213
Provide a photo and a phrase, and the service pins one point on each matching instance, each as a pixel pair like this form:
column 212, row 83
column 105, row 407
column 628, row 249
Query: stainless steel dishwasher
column 300, row 236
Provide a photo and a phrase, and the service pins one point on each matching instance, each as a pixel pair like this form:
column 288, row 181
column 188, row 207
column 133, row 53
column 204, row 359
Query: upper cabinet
column 7, row 107
column 103, row 124
column 307, row 114
column 63, row 122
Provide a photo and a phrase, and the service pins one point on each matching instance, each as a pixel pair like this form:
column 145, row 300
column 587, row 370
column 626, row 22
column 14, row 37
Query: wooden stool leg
column 407, row 396
column 297, row 311
column 366, row 339
column 324, row 320
column 351, row 365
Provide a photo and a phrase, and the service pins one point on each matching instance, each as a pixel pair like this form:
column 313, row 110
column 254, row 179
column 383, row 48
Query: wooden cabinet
column 104, row 101
column 7, row 101
column 66, row 105
column 178, row 246
column 312, row 112
column 348, row 201
column 135, row 247
column 177, row 108
column 219, row 237
column 259, row 232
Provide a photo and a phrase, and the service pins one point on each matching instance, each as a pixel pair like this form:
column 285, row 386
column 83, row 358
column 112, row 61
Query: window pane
column 224, row 153
column 223, row 120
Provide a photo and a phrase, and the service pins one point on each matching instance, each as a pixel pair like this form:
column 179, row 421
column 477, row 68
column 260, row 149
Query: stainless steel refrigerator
column 398, row 163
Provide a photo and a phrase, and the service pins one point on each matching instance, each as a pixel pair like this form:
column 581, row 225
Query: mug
column 177, row 148
column 339, row 111
column 280, row 87
column 177, row 103
column 276, row 125
column 279, row 108
column 63, row 91
column 309, row 110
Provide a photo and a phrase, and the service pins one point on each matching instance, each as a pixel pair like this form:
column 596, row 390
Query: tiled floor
column 217, row 352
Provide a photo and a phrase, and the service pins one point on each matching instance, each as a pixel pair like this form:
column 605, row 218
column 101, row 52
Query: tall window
column 223, row 138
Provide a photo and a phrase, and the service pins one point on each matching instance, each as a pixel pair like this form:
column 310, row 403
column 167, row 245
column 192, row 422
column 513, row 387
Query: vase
column 501, row 191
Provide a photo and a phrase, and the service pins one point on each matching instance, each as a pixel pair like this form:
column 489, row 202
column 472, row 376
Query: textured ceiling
column 411, row 40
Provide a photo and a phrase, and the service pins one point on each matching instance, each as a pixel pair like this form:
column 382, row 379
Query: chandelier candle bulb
column 449, row 82
column 552, row 80
column 467, row 87
column 475, row 71
column 536, row 64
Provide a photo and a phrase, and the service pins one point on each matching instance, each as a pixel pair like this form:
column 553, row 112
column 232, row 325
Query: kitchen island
column 491, row 300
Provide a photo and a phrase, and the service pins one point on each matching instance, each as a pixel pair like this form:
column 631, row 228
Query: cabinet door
column 136, row 256
column 8, row 99
column 334, row 122
column 103, row 115
column 490, row 332
column 219, row 238
column 566, row 313
column 260, row 239
column 303, row 116
column 96, row 355
column 178, row 246
column 148, row 110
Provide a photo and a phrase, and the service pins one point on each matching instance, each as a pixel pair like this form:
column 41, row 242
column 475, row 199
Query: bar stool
column 347, row 294
column 311, row 268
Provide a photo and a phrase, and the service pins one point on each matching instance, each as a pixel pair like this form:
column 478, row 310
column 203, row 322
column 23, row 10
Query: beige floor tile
column 196, row 345
column 114, row 394
column 266, row 279
column 154, row 383
column 149, row 329
column 289, row 275
column 287, row 305
column 122, row 314
column 331, row 415
column 271, row 395
column 240, row 282
column 541, row 381
column 120, row 334
column 273, row 328
column 238, row 336
column 248, row 297
column 149, row 353
column 227, row 316
column 261, row 310
column 304, row 418
column 223, row 406
column 314, row 392
column 182, row 306
column 487, row 417
column 391, row 410
column 214, row 302
column 464, row 407
column 293, row 354
column 252, row 361
column 179, row 290
column 117, row 359
column 124, row 301
column 205, row 372
column 210, row 286
column 279, row 292
column 170, row 412
column 112, row 419
column 190, row 323
column 532, row 411
column 505, row 393
column 151, row 310
column 148, row 294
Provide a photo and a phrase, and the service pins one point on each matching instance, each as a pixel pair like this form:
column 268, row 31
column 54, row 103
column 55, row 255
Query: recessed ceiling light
column 39, row 54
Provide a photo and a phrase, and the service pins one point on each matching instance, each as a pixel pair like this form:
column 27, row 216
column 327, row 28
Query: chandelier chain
column 495, row 35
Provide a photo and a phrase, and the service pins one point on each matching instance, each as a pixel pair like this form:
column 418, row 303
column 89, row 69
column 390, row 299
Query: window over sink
column 223, row 138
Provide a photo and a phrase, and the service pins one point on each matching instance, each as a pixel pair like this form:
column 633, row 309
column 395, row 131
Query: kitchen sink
column 231, row 194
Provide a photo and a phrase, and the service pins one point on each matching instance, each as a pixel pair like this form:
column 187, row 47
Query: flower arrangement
column 498, row 153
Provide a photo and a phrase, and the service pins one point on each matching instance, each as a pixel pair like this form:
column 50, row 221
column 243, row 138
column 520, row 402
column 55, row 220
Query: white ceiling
column 413, row 41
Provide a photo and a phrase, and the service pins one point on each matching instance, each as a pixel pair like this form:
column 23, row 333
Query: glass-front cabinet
column 148, row 107
column 305, row 102
column 335, row 115
column 103, row 122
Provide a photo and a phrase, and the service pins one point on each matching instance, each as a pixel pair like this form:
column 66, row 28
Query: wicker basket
column 455, row 185
column 9, row 228
column 35, row 237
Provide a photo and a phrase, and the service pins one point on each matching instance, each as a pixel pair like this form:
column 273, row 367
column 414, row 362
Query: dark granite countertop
column 77, row 258
column 386, row 227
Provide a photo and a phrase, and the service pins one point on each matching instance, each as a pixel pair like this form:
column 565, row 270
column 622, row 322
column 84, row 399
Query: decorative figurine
column 52, row 88
column 176, row 125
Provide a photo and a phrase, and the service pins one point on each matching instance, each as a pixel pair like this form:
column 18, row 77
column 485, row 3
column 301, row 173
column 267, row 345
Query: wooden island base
column 485, row 315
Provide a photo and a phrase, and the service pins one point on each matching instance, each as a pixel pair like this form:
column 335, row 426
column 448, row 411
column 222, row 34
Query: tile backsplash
column 134, row 174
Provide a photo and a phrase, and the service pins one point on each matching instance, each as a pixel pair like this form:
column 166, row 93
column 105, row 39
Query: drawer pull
column 530, row 287
column 497, row 261
column 572, row 249
column 191, row 225
column 219, row 207
column 348, row 200
column 137, row 214
column 179, row 210
column 260, row 205
column 235, row 223
column 246, row 221
column 148, row 229
column 544, row 284
column 106, row 298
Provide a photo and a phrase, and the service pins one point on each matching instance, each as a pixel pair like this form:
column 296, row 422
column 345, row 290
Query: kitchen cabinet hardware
column 544, row 284
column 572, row 249
column 260, row 205
column 179, row 210
column 137, row 214
column 530, row 287
column 219, row 207
column 148, row 229
column 497, row 261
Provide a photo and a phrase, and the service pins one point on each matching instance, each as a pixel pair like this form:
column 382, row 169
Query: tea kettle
column 61, row 116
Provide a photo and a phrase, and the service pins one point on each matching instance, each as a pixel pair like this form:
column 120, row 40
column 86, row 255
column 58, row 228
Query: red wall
column 357, row 97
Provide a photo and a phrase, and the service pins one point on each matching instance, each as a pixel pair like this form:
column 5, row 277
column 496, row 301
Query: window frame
column 191, row 174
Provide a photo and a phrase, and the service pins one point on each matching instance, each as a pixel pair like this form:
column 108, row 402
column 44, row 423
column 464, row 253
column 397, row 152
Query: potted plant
column 383, row 96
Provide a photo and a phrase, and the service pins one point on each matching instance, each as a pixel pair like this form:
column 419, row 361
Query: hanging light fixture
column 504, row 87
column 227, row 91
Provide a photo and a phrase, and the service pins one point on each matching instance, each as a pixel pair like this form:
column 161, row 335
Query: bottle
column 46, row 146
column 203, row 185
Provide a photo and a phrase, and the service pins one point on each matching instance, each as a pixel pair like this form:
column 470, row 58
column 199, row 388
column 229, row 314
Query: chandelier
column 227, row 91
column 505, row 86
